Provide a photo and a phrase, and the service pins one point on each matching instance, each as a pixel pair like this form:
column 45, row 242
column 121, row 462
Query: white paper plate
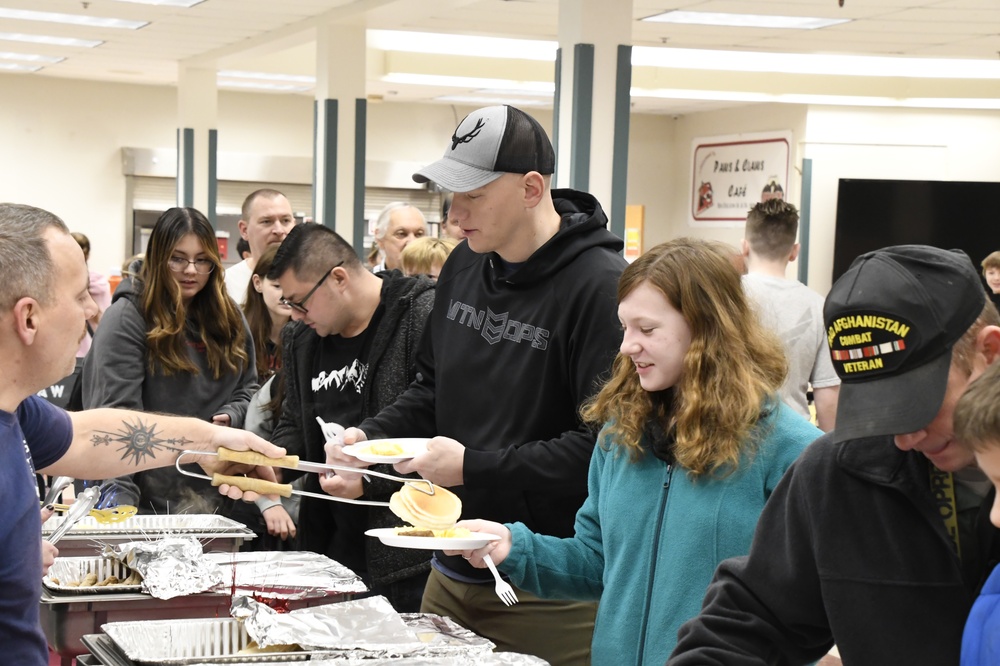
column 412, row 447
column 389, row 537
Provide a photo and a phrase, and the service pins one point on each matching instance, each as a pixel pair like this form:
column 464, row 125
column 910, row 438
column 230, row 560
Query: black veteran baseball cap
column 488, row 143
column 891, row 322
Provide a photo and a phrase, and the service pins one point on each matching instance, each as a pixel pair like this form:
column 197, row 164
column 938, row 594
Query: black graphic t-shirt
column 339, row 373
column 338, row 376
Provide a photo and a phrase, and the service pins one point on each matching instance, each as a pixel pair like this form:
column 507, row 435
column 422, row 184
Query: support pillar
column 197, row 139
column 339, row 131
column 594, row 77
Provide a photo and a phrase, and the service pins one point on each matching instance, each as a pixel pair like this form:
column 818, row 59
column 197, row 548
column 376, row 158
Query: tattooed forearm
column 139, row 441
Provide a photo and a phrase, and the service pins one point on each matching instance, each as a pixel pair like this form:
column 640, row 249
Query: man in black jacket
column 878, row 538
column 349, row 353
column 524, row 326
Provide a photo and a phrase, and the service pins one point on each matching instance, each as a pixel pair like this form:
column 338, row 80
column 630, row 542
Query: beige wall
column 61, row 141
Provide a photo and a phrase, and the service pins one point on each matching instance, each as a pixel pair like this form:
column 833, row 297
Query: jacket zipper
column 652, row 564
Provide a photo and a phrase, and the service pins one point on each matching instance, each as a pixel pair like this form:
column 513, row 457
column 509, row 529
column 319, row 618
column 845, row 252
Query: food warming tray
column 65, row 617
column 185, row 643
column 88, row 536
column 66, row 570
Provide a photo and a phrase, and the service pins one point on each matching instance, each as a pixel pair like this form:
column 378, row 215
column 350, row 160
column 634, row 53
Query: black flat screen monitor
column 872, row 214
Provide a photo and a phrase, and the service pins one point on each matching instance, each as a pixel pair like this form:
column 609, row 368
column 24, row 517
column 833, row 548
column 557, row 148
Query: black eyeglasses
column 180, row 264
column 301, row 305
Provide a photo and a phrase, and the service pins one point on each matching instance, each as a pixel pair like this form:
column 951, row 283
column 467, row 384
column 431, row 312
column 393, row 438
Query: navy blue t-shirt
column 34, row 437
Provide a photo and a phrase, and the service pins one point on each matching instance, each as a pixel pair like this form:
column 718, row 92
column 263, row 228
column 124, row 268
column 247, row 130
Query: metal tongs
column 85, row 501
column 263, row 487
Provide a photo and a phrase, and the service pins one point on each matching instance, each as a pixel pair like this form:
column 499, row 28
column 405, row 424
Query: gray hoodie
column 116, row 374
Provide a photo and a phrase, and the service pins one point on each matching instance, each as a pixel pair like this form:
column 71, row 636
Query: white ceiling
column 266, row 35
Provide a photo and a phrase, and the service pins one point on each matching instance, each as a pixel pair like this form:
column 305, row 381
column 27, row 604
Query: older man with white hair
column 396, row 226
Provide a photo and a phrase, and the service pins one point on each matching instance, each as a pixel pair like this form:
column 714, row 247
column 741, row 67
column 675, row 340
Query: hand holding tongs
column 85, row 501
column 263, row 487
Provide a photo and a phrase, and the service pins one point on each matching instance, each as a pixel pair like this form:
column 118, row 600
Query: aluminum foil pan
column 368, row 624
column 171, row 567
column 151, row 526
column 284, row 575
column 67, row 570
column 490, row 659
column 218, row 641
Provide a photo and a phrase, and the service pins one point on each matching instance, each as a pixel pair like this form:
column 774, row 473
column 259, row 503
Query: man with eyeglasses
column 266, row 218
column 347, row 355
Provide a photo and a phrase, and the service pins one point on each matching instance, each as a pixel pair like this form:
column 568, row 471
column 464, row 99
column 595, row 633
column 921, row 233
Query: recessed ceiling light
column 166, row 3
column 266, row 76
column 18, row 67
column 30, row 57
column 47, row 39
column 744, row 20
column 72, row 19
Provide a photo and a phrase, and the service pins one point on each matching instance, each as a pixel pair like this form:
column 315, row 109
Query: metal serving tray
column 88, row 536
column 66, row 618
column 74, row 569
column 217, row 641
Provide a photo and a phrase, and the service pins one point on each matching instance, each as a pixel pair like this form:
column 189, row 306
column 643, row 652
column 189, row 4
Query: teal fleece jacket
column 649, row 536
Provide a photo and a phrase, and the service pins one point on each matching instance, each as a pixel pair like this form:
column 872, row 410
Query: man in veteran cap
column 878, row 538
column 523, row 326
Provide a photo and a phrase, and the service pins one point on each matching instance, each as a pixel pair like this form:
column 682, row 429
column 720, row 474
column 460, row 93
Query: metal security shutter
column 149, row 193
column 232, row 193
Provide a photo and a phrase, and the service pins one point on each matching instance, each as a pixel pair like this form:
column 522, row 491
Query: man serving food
column 44, row 306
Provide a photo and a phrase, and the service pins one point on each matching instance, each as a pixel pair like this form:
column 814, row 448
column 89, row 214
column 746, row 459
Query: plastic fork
column 503, row 588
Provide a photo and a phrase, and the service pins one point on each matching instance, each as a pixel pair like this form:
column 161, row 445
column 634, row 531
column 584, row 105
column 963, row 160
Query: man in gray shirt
column 790, row 309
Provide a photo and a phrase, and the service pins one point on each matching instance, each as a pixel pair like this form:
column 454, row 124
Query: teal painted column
column 804, row 214
column 583, row 115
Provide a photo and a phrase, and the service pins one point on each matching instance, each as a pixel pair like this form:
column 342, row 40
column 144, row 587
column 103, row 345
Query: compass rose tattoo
column 139, row 441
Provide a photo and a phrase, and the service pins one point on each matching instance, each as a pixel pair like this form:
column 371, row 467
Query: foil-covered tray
column 218, row 641
column 67, row 570
column 284, row 575
column 152, row 527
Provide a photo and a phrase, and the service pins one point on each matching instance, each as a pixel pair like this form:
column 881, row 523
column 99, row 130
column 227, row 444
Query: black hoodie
column 504, row 365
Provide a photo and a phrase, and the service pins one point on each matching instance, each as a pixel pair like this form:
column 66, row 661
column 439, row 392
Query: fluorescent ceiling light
column 537, row 87
column 30, row 57
column 266, row 76
column 72, row 19
column 18, row 67
column 46, row 39
column 809, row 63
column 274, row 87
column 829, row 100
column 462, row 45
column 744, row 20
column 484, row 100
column 166, row 3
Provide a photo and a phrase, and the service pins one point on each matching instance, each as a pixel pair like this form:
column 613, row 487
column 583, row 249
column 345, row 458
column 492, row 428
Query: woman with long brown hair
column 266, row 315
column 173, row 341
column 694, row 439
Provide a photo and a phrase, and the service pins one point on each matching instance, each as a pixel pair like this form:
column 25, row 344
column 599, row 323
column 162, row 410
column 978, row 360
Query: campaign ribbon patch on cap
column 867, row 344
